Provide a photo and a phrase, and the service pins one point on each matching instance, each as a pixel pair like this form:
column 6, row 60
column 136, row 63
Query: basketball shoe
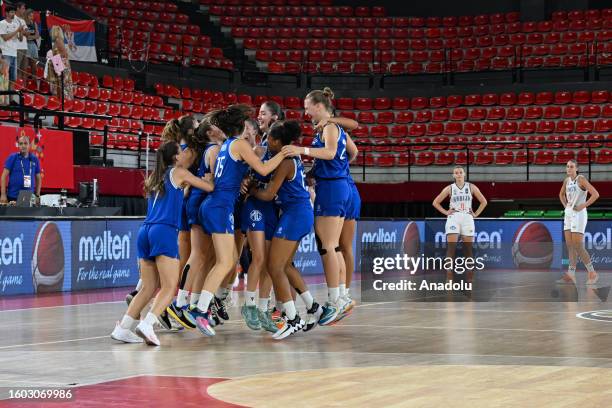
column 266, row 322
column 125, row 335
column 146, row 332
column 312, row 316
column 330, row 312
column 218, row 308
column 179, row 315
column 290, row 327
column 250, row 316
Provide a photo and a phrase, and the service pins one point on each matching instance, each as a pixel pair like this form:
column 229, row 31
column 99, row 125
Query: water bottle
column 94, row 200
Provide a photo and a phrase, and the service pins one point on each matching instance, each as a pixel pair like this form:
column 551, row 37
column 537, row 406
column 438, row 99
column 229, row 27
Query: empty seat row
column 296, row 11
column 132, row 5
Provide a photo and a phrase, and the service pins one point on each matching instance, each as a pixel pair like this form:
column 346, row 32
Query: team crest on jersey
column 256, row 216
column 231, row 219
column 223, row 147
column 599, row 315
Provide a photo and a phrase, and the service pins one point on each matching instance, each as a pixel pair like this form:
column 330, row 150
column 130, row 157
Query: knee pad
column 322, row 251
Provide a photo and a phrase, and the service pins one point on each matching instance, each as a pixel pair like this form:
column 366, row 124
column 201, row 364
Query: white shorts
column 460, row 223
column 575, row 221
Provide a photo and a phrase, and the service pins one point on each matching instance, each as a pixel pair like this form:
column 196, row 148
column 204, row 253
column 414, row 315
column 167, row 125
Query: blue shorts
column 193, row 208
column 353, row 208
column 295, row 223
column 259, row 215
column 155, row 240
column 217, row 215
column 183, row 225
column 331, row 198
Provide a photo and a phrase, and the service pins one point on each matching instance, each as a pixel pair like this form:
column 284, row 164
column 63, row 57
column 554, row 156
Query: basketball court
column 426, row 354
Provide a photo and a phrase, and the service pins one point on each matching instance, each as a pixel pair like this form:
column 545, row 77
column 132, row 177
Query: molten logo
column 598, row 240
column 105, row 247
column 482, row 239
column 379, row 236
column 11, row 251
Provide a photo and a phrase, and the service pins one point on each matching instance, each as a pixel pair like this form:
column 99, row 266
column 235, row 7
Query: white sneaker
column 567, row 279
column 145, row 330
column 290, row 327
column 593, row 279
column 125, row 335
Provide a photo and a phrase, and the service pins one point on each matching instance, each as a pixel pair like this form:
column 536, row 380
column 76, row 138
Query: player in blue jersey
column 157, row 243
column 217, row 210
column 259, row 220
column 330, row 170
column 201, row 258
column 346, row 257
column 288, row 188
column 181, row 131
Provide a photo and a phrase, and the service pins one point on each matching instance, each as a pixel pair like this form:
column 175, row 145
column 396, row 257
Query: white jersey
column 461, row 198
column 573, row 193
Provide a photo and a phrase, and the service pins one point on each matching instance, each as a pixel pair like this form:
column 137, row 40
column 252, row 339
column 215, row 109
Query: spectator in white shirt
column 10, row 33
column 22, row 45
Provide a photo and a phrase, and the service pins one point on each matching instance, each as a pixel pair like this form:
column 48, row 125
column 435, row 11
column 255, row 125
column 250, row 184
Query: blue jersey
column 267, row 156
column 229, row 172
column 294, row 191
column 336, row 168
column 165, row 208
column 203, row 170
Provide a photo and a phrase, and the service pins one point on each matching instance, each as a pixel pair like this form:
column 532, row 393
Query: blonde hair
column 57, row 33
column 324, row 96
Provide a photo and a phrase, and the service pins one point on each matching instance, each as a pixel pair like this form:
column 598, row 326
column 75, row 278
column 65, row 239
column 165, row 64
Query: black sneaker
column 177, row 314
column 164, row 320
column 213, row 318
column 219, row 309
column 290, row 327
column 130, row 296
column 312, row 316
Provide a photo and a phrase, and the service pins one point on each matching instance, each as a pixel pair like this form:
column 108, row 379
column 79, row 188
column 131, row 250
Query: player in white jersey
column 573, row 196
column 460, row 216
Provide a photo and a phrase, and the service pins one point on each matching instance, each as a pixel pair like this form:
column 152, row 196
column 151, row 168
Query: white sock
column 151, row 319
column 182, row 298
column 263, row 304
column 249, row 298
column 279, row 305
column 127, row 322
column 139, row 285
column 221, row 293
column 289, row 308
column 342, row 288
column 307, row 298
column 589, row 267
column 333, row 294
column 205, row 298
column 195, row 297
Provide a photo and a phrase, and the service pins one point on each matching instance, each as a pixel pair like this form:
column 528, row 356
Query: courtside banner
column 598, row 243
column 80, row 37
column 34, row 257
column 53, row 149
column 307, row 258
column 104, row 254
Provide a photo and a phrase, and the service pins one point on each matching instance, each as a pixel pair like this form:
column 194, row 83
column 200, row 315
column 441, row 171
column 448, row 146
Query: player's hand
column 580, row 207
column 3, row 199
column 37, row 201
column 292, row 151
column 450, row 212
column 244, row 186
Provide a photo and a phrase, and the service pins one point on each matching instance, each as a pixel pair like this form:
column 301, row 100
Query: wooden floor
column 477, row 354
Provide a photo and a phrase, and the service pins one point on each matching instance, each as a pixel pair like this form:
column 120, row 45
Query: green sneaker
column 266, row 321
column 249, row 314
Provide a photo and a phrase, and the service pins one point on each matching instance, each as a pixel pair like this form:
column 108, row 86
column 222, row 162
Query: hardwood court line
column 53, row 342
column 61, row 306
column 474, row 328
column 443, row 309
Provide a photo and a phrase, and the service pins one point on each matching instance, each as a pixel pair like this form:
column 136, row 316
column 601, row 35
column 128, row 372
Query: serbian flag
column 80, row 37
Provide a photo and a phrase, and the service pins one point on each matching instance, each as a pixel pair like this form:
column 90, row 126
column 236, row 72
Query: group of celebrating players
column 215, row 182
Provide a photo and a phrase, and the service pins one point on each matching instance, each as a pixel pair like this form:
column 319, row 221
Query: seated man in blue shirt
column 23, row 173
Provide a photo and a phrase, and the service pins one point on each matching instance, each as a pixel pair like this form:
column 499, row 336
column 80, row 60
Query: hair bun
column 328, row 92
